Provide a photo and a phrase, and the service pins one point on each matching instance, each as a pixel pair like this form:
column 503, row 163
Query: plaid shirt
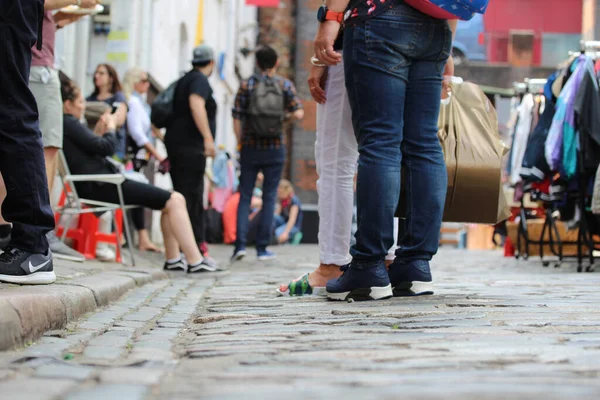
column 242, row 102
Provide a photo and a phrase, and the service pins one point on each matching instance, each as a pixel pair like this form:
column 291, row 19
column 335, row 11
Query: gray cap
column 202, row 54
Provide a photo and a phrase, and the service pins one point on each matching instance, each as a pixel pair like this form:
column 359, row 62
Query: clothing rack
column 554, row 241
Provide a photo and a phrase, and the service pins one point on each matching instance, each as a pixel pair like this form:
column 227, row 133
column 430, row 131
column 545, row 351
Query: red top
column 45, row 57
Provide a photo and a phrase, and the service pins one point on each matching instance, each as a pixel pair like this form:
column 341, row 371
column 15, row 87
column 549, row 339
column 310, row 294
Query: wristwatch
column 324, row 14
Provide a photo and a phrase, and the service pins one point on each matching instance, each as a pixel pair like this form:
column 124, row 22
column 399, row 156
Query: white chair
column 74, row 205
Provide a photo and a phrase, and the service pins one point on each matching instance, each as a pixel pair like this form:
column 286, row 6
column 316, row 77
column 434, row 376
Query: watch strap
column 334, row 16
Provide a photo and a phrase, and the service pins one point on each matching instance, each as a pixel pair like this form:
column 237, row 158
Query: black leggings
column 138, row 215
column 134, row 193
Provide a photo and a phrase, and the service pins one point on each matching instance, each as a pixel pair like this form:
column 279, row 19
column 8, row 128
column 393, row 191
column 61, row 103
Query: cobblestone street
column 495, row 329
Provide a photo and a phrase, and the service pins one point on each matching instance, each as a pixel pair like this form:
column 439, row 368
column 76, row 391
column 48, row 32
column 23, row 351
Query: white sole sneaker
column 373, row 293
column 37, row 278
column 266, row 258
column 67, row 257
column 414, row 288
column 238, row 256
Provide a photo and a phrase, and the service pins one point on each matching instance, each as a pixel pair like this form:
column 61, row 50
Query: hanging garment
column 511, row 125
column 587, row 110
column 554, row 144
column 535, row 167
column 570, row 135
column 522, row 131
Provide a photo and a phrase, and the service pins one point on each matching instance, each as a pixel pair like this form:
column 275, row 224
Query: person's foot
column 360, row 284
column 179, row 265
column 23, row 268
column 265, row 255
column 238, row 255
column 319, row 277
column 149, row 246
column 211, row 262
column 61, row 250
column 411, row 279
column 202, row 266
column 105, row 253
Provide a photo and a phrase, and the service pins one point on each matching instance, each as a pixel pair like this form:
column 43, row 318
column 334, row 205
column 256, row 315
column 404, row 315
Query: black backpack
column 266, row 110
column 163, row 107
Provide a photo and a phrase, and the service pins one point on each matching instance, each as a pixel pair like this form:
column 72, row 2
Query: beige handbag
column 468, row 133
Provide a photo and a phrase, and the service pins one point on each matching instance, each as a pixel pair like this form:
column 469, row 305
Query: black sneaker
column 411, row 279
column 179, row 265
column 204, row 266
column 20, row 267
column 61, row 251
column 360, row 284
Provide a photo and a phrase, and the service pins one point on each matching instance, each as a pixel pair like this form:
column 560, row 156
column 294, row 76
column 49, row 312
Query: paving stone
column 64, row 371
column 27, row 388
column 162, row 324
column 130, row 324
column 111, row 391
column 103, row 352
column 149, row 343
column 142, row 376
column 107, row 287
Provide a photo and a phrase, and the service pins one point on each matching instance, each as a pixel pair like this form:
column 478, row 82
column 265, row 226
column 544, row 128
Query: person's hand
column 283, row 238
column 209, row 148
column 63, row 19
column 111, row 122
column 88, row 3
column 316, row 83
column 326, row 34
column 448, row 74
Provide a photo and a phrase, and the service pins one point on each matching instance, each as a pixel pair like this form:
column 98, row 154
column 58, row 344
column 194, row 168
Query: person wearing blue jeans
column 395, row 58
column 261, row 151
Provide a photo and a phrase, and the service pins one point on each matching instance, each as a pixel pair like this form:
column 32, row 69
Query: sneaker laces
column 10, row 254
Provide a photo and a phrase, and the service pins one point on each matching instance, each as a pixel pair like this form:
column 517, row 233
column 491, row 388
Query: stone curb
column 26, row 312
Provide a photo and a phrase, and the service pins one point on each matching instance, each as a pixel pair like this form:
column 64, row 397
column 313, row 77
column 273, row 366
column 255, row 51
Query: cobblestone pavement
column 496, row 329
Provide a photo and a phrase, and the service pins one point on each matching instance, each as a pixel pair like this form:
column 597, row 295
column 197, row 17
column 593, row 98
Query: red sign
column 263, row 3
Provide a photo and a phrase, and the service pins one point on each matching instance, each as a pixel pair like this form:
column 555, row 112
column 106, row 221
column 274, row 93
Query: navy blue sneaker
column 360, row 284
column 265, row 255
column 238, row 255
column 411, row 279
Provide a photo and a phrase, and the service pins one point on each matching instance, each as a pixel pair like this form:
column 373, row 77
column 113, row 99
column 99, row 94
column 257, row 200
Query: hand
column 326, row 34
column 111, row 122
column 448, row 74
column 63, row 19
column 283, row 238
column 316, row 83
column 209, row 148
column 88, row 3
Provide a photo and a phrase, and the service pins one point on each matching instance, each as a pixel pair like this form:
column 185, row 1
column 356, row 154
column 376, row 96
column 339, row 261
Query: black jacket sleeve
column 88, row 141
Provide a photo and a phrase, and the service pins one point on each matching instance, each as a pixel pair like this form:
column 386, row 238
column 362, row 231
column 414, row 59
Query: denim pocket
column 445, row 47
column 390, row 44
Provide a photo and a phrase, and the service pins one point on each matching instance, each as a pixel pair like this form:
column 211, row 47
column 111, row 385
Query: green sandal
column 301, row 287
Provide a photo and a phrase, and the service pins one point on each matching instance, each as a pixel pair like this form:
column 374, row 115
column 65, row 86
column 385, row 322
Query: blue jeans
column 394, row 65
column 253, row 161
column 279, row 225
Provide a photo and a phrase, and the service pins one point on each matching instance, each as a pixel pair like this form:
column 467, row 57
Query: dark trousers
column 253, row 161
column 27, row 203
column 187, row 174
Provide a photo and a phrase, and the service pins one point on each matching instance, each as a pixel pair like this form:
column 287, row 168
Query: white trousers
column 336, row 154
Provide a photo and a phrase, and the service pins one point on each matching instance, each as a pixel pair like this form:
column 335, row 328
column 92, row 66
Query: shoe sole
column 411, row 289
column 37, row 278
column 266, row 258
column 174, row 269
column 238, row 257
column 68, row 257
column 201, row 268
column 364, row 294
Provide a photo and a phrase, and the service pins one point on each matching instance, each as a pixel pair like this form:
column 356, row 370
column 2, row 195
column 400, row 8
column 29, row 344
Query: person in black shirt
column 190, row 137
column 86, row 153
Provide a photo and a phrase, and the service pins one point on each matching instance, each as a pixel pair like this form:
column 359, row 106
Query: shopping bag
column 473, row 150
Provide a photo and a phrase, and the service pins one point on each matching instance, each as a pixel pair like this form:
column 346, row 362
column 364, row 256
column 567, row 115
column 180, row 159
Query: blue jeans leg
column 426, row 175
column 382, row 57
column 248, row 176
column 272, row 173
